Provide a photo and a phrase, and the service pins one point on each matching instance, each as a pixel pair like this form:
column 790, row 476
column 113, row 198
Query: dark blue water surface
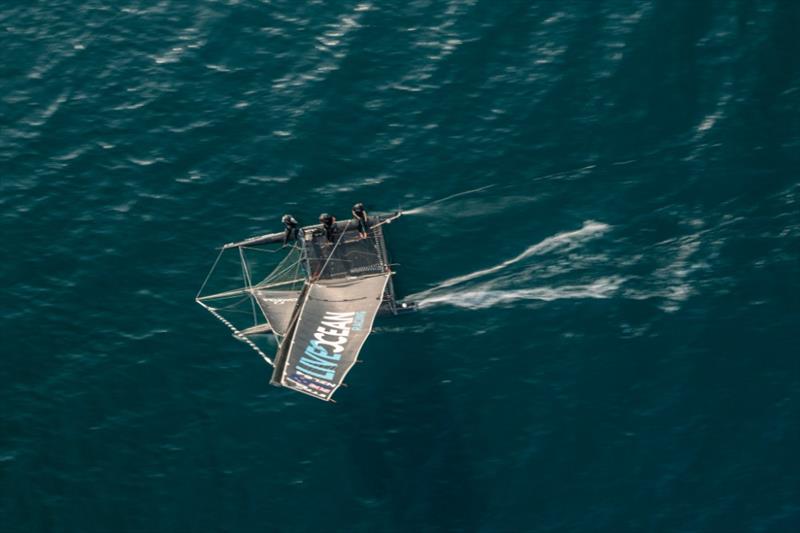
column 608, row 334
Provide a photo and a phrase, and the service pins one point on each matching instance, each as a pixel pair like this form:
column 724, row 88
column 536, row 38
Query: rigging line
column 237, row 311
column 248, row 283
column 238, row 334
column 265, row 285
column 226, row 294
column 291, row 256
column 262, row 250
column 346, row 226
column 440, row 200
column 292, row 322
column 277, row 273
column 297, row 268
column 235, row 304
column 295, row 315
column 309, row 282
column 214, row 266
column 245, row 274
column 271, row 279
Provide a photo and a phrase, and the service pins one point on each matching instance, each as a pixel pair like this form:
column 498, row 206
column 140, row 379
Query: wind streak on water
column 487, row 294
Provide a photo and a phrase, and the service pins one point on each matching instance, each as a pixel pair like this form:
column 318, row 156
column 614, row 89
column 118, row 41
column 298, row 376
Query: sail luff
column 283, row 349
column 279, row 283
column 238, row 334
column 227, row 294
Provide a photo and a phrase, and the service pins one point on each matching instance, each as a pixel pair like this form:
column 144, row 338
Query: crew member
column 291, row 229
column 361, row 219
column 328, row 224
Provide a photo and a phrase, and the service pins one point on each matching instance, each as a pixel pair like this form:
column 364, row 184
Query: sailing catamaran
column 318, row 303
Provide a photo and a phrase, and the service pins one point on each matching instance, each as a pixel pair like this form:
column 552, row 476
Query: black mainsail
column 334, row 320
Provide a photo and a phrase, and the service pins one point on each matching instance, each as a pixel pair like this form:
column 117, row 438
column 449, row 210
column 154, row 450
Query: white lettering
column 336, row 332
column 337, row 325
column 338, row 345
column 339, row 316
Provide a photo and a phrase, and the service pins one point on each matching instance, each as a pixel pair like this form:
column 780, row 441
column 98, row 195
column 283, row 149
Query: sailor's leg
column 362, row 228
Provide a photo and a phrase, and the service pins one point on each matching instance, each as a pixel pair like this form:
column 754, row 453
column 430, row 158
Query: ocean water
column 608, row 332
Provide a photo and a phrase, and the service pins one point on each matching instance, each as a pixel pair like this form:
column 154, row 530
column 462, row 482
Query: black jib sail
column 277, row 307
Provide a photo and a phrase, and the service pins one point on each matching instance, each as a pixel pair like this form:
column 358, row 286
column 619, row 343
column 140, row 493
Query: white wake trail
column 483, row 298
column 496, row 291
column 565, row 240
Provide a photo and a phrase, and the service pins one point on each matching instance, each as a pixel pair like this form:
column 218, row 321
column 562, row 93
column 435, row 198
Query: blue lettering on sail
column 315, row 350
column 321, row 362
column 358, row 320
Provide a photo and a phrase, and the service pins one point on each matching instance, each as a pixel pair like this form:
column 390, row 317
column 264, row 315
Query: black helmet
column 287, row 218
column 325, row 217
column 359, row 207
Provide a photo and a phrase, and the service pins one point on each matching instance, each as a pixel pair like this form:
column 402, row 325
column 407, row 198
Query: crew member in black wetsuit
column 328, row 224
column 361, row 219
column 291, row 229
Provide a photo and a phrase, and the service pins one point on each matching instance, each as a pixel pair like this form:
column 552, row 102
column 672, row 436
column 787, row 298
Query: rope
column 278, row 273
column 213, row 267
column 296, row 316
column 233, row 306
column 262, row 250
column 346, row 226
column 238, row 334
column 248, row 283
